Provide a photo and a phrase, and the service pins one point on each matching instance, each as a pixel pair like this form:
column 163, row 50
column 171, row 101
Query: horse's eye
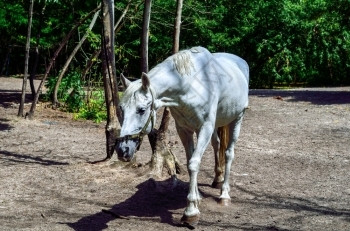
column 141, row 111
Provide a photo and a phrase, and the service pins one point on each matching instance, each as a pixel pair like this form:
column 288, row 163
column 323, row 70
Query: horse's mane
column 183, row 62
column 128, row 96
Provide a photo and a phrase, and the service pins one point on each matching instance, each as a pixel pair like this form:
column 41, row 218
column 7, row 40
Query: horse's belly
column 228, row 112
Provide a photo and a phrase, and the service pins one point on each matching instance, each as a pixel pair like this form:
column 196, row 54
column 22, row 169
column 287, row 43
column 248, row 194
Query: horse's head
column 138, row 116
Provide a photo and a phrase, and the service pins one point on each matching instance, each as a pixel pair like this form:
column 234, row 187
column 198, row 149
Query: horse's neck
column 165, row 83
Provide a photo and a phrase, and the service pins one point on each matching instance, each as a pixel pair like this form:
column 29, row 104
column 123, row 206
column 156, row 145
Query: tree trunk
column 162, row 155
column 65, row 67
column 97, row 52
column 109, row 76
column 33, row 72
column 30, row 114
column 177, row 26
column 4, row 69
column 144, row 37
column 24, row 86
column 36, row 57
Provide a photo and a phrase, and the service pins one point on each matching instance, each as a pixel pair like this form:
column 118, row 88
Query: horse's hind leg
column 235, row 128
column 219, row 162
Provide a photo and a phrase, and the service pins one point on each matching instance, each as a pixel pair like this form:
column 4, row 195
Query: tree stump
column 162, row 156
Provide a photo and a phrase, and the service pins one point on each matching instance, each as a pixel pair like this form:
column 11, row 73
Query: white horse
column 207, row 95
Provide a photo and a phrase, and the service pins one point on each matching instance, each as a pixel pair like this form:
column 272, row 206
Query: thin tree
column 70, row 58
column 144, row 37
column 36, row 54
column 109, row 76
column 26, row 61
column 161, row 154
column 117, row 27
column 30, row 114
column 177, row 26
column 90, row 63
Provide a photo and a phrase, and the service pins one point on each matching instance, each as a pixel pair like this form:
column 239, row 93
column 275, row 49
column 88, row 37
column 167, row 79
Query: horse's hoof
column 190, row 220
column 224, row 201
column 217, row 185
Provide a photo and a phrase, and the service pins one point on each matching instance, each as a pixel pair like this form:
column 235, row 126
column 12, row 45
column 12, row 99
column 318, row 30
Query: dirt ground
column 291, row 170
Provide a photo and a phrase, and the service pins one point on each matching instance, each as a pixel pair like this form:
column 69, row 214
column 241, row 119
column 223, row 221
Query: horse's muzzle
column 123, row 154
column 126, row 149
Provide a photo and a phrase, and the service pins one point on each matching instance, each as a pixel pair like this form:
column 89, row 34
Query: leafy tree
column 288, row 41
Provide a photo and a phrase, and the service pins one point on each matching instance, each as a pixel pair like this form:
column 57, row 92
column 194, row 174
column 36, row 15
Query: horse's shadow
column 154, row 200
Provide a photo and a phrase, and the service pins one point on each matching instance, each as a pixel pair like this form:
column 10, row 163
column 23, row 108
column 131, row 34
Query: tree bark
column 109, row 77
column 97, row 52
column 30, row 114
column 161, row 154
column 24, row 86
column 177, row 26
column 65, row 67
column 33, row 72
column 144, row 37
column 36, row 57
column 109, row 74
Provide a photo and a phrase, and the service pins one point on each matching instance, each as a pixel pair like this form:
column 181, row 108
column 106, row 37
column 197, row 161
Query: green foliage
column 94, row 109
column 94, row 40
column 284, row 42
column 70, row 91
column 88, row 105
column 288, row 41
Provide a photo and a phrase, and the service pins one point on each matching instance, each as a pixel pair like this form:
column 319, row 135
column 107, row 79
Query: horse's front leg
column 191, row 214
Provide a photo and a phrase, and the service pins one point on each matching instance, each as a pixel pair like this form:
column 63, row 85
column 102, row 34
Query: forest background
column 287, row 42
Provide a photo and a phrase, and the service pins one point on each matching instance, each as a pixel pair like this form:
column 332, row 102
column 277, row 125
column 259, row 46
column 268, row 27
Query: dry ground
column 291, row 170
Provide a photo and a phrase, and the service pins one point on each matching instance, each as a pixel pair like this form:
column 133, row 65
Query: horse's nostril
column 126, row 151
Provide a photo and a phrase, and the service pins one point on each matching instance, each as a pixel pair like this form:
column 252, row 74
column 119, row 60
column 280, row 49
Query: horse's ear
column 145, row 81
column 125, row 81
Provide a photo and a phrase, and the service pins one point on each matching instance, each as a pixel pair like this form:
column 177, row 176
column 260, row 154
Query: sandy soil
column 291, row 170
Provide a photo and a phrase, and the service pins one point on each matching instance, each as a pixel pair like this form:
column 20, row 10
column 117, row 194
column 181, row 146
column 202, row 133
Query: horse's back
column 208, row 85
column 235, row 60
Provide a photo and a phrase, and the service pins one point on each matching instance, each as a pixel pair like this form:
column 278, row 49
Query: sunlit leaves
column 285, row 41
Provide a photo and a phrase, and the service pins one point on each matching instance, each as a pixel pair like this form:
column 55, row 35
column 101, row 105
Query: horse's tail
column 223, row 133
